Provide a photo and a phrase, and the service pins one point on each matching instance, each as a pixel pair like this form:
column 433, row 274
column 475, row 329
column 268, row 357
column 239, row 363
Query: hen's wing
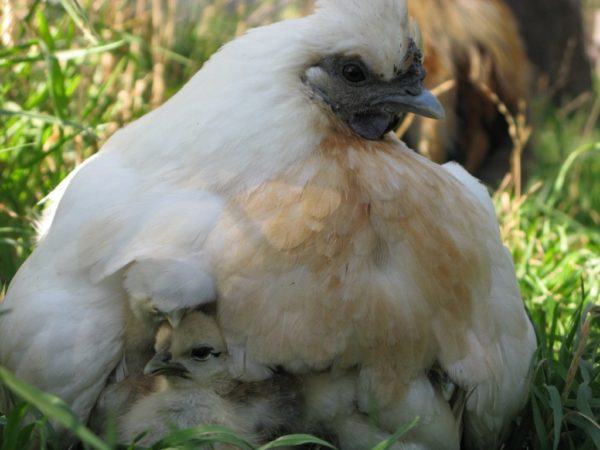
column 65, row 321
column 495, row 372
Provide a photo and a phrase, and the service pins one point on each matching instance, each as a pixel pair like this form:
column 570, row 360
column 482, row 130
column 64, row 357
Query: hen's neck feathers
column 247, row 116
column 243, row 117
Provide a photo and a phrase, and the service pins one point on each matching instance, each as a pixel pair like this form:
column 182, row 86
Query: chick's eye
column 203, row 353
column 354, row 73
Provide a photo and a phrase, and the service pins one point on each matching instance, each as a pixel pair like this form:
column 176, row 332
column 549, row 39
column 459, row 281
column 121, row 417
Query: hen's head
column 366, row 66
column 268, row 99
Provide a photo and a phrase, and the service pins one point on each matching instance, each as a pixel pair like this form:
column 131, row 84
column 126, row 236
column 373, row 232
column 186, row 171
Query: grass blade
column 51, row 407
column 557, row 410
column 77, row 14
column 13, row 427
column 295, row 441
column 69, row 55
column 538, row 421
column 202, row 435
column 385, row 445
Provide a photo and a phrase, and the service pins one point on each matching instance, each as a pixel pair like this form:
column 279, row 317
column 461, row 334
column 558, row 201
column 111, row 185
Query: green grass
column 67, row 83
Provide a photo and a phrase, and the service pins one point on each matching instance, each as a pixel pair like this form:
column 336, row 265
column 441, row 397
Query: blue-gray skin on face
column 368, row 104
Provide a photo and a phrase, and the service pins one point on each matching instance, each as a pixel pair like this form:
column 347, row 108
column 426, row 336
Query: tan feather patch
column 357, row 264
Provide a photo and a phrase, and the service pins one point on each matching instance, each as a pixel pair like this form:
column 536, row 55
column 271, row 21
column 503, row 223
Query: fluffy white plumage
column 324, row 249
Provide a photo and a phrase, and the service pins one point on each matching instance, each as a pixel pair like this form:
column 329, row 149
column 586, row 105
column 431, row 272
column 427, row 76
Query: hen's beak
column 385, row 110
column 425, row 104
column 162, row 364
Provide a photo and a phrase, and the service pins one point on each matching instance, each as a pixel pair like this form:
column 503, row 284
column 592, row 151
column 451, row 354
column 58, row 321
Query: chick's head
column 194, row 351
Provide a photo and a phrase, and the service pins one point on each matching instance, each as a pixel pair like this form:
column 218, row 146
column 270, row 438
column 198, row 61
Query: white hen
column 271, row 181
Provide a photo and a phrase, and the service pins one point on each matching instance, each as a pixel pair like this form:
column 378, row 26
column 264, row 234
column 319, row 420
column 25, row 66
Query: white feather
column 497, row 369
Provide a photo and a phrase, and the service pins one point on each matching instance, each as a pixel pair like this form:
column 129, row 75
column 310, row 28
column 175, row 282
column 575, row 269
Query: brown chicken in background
column 472, row 50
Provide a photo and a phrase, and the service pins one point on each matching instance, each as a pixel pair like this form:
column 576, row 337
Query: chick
column 147, row 322
column 330, row 406
column 195, row 388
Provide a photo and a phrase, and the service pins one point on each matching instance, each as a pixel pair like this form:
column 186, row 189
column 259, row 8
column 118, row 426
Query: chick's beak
column 424, row 104
column 162, row 364
column 175, row 317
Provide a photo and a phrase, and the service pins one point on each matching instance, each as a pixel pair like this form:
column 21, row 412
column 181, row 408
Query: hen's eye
column 203, row 353
column 354, row 73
